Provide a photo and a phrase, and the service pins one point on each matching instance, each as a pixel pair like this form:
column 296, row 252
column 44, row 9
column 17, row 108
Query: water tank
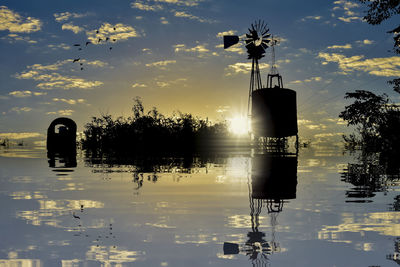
column 274, row 112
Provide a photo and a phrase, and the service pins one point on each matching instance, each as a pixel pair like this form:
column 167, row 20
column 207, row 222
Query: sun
column 239, row 125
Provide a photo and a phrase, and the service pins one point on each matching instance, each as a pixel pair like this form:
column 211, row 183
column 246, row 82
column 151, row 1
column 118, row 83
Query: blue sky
column 168, row 52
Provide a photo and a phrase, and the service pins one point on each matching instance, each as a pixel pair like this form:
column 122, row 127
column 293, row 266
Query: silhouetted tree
column 379, row 11
column 367, row 113
column 152, row 132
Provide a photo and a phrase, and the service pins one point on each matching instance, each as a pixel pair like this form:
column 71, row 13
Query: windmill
column 256, row 42
column 271, row 109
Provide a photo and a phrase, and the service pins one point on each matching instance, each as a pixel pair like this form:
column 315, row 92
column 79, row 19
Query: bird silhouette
column 76, row 59
column 114, row 40
column 110, row 48
column 97, row 31
column 107, row 38
column 77, row 45
column 81, row 68
column 88, row 43
column 76, row 217
column 115, row 28
column 100, row 40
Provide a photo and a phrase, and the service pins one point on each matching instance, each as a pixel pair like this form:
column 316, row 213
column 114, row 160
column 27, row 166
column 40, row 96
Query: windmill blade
column 249, row 36
column 230, row 40
column 266, row 35
column 264, row 45
column 266, row 30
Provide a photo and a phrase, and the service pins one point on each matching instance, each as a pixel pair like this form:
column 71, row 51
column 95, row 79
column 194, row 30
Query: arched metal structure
column 61, row 139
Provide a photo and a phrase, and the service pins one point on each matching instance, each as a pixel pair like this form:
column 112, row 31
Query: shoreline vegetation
column 152, row 132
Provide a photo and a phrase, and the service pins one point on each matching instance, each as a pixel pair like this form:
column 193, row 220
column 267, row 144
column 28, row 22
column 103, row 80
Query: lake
column 320, row 208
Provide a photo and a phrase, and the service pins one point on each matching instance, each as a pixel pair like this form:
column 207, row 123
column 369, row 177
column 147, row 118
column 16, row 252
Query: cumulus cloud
column 13, row 22
column 116, row 32
column 196, row 49
column 64, row 16
column 26, row 93
column 171, row 82
column 312, row 79
column 161, row 64
column 311, row 18
column 70, row 101
column 146, row 7
column 346, row 46
column 20, row 109
column 49, row 79
column 237, row 48
column 180, row 2
column 163, row 20
column 61, row 112
column 183, row 14
column 243, row 67
column 230, row 32
column 388, row 66
column 142, row 85
column 338, row 121
column 59, row 46
column 69, row 26
column 13, row 37
column 16, row 136
column 345, row 7
column 365, row 42
column 316, row 126
column 222, row 109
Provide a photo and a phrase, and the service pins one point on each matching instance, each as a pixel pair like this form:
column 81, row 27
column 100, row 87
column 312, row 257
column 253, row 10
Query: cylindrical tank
column 274, row 112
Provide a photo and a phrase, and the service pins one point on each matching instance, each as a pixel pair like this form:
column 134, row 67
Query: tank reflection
column 273, row 181
column 62, row 163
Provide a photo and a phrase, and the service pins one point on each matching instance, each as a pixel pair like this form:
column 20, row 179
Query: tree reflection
column 273, row 181
column 373, row 172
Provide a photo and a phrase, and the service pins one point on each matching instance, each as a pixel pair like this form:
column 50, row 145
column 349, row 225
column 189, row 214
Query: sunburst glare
column 239, row 125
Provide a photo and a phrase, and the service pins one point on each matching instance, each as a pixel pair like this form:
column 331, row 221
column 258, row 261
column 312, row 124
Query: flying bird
column 76, row 217
column 115, row 28
column 108, row 38
column 114, row 40
column 77, row 45
column 88, row 43
column 97, row 31
column 76, row 59
column 110, row 48
column 81, row 68
column 100, row 40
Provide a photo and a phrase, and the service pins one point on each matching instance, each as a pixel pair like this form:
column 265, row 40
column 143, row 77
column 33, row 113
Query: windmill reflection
column 273, row 181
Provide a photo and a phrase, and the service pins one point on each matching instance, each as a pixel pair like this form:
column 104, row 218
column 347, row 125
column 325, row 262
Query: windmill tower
column 256, row 41
column 272, row 109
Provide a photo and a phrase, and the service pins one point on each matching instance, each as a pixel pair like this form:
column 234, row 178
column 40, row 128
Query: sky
column 170, row 54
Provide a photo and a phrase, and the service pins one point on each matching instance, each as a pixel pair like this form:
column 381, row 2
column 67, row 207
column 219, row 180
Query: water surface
column 238, row 209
